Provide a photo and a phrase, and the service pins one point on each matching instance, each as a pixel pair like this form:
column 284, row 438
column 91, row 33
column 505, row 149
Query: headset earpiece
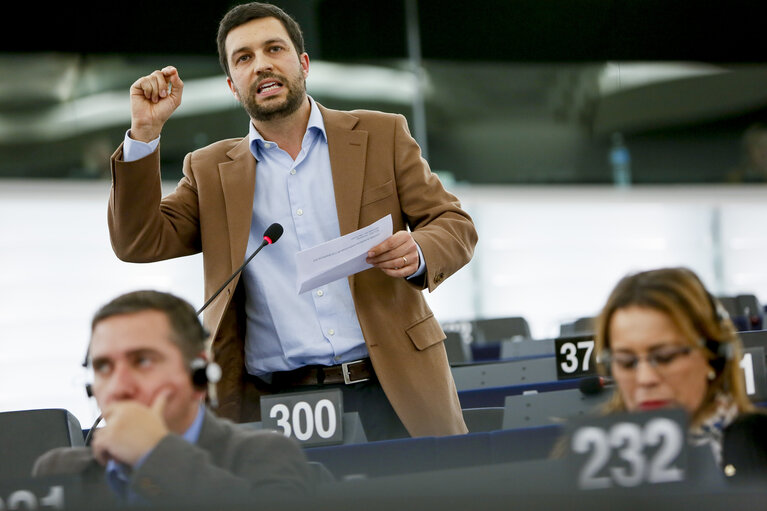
column 204, row 372
column 722, row 351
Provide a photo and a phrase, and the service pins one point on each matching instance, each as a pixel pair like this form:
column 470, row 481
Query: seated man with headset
column 160, row 443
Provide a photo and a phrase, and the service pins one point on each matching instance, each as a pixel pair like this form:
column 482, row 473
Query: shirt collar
column 192, row 434
column 316, row 123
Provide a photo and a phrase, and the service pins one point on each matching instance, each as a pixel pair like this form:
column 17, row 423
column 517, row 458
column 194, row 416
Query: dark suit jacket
column 377, row 170
column 744, row 449
column 228, row 463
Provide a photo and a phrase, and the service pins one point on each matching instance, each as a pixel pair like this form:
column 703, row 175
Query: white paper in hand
column 341, row 257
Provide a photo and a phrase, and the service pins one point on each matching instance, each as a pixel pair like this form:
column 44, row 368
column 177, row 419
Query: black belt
column 348, row 373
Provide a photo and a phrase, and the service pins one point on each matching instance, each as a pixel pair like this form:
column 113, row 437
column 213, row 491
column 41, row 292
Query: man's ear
column 232, row 88
column 303, row 59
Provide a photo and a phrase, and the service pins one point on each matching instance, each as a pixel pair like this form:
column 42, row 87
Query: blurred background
column 587, row 138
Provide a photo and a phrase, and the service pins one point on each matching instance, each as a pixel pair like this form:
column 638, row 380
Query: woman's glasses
column 661, row 357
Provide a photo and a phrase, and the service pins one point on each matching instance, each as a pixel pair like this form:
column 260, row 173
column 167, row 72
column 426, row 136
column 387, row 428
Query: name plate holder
column 753, row 365
column 575, row 357
column 51, row 492
column 629, row 450
column 315, row 418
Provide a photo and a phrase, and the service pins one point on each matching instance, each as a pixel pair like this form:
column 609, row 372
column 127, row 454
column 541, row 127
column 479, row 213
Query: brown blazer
column 377, row 170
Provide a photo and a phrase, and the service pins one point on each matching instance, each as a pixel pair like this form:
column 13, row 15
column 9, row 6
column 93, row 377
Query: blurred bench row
column 519, row 393
column 498, row 338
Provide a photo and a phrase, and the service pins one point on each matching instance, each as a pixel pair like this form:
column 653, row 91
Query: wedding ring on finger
column 405, row 260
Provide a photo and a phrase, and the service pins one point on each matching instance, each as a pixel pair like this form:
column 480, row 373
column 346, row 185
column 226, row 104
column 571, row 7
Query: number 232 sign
column 629, row 450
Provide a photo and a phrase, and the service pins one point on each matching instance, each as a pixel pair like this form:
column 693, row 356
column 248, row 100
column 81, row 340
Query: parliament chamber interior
column 588, row 140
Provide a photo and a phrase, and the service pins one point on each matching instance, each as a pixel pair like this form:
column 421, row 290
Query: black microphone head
column 590, row 385
column 273, row 233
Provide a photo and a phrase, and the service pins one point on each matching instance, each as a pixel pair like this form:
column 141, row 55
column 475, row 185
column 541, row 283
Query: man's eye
column 243, row 58
column 275, row 49
column 144, row 361
column 103, row 368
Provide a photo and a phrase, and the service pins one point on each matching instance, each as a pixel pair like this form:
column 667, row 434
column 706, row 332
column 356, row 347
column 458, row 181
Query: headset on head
column 204, row 376
column 721, row 349
column 202, row 372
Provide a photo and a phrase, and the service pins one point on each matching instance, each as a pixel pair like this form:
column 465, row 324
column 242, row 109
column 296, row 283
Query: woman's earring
column 711, row 375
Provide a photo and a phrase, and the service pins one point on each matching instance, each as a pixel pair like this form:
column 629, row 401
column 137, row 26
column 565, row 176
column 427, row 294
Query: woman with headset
column 668, row 342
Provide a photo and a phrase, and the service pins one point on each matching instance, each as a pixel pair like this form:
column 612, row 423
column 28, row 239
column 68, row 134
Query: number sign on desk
column 575, row 357
column 753, row 368
column 313, row 418
column 31, row 494
column 629, row 450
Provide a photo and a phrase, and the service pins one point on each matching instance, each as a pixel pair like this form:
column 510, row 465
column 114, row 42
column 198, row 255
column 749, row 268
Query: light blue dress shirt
column 286, row 330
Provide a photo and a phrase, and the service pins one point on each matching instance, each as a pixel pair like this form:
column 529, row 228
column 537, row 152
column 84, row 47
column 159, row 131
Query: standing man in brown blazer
column 321, row 173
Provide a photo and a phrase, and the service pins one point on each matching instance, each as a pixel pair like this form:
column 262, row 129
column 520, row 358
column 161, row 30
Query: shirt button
column 320, row 292
column 337, row 358
column 268, row 145
column 299, row 212
column 293, row 172
column 331, row 332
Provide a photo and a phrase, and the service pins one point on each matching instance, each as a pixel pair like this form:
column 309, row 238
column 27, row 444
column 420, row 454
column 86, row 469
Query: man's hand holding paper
column 397, row 256
column 344, row 256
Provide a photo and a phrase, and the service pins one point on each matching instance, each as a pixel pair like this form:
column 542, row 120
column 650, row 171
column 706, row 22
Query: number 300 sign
column 312, row 418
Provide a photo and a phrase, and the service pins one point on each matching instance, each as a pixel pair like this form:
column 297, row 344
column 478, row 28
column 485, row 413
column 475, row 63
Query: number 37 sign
column 575, row 357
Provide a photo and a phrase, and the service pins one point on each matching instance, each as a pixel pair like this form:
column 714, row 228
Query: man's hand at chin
column 132, row 430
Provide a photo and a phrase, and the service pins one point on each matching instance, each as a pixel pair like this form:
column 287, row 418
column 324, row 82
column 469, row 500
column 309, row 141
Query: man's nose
column 122, row 384
column 263, row 63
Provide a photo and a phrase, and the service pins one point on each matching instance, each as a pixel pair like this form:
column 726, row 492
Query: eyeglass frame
column 651, row 357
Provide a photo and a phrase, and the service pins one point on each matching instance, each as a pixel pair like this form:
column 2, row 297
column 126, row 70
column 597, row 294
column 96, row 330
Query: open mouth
column 268, row 86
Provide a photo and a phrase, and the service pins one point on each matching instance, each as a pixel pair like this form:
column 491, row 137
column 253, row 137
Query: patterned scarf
column 710, row 430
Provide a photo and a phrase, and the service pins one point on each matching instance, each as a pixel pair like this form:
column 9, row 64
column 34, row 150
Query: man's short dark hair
column 186, row 330
column 244, row 13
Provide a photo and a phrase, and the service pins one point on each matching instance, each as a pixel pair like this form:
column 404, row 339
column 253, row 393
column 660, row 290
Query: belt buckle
column 345, row 370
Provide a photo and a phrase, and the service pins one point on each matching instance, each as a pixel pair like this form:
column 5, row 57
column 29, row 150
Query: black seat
column 458, row 351
column 751, row 309
column 581, row 326
column 483, row 419
column 498, row 329
column 27, row 434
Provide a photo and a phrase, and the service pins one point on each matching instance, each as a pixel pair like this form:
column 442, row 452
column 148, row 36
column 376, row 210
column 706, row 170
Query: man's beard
column 272, row 109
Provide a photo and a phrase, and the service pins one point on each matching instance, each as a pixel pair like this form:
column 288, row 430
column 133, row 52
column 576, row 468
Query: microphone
column 89, row 436
column 271, row 235
column 591, row 385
